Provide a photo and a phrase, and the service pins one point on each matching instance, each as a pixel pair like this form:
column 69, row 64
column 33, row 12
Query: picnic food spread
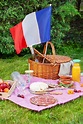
column 51, row 88
column 59, row 94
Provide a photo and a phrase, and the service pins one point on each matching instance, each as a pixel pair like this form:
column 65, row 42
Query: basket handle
column 40, row 54
column 45, row 48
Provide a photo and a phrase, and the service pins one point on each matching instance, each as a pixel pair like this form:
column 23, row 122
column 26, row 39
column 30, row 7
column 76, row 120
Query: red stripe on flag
column 18, row 37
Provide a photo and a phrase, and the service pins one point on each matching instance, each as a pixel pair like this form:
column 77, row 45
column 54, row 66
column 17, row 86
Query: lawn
column 10, row 113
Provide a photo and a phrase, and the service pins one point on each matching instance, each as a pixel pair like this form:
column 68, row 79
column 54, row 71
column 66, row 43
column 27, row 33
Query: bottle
column 76, row 71
column 33, row 57
column 21, row 83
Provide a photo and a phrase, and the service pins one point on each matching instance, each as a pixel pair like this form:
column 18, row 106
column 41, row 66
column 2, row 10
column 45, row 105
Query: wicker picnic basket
column 47, row 66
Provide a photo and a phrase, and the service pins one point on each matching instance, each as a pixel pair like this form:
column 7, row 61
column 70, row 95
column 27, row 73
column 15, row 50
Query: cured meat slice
column 43, row 100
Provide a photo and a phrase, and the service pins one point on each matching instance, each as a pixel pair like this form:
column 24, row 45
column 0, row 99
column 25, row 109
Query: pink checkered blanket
column 25, row 102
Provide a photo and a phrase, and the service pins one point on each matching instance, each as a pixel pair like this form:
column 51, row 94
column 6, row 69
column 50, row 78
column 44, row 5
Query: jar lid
column 76, row 60
column 29, row 71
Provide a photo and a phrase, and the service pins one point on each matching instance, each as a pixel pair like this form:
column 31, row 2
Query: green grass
column 10, row 113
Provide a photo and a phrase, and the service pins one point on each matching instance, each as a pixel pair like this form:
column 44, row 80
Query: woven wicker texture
column 48, row 65
column 54, row 58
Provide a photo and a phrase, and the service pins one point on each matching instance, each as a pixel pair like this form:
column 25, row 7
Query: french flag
column 34, row 29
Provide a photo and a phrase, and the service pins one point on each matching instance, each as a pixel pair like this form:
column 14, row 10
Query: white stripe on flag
column 30, row 28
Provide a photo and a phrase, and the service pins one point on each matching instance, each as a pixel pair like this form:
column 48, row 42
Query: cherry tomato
column 3, row 86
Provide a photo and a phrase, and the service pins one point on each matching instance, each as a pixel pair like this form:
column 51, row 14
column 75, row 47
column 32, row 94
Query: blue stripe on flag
column 44, row 22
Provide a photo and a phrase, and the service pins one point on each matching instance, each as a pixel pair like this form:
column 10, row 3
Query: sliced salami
column 43, row 100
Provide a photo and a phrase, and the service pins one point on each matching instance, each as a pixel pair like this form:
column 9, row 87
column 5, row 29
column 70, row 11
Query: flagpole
column 31, row 49
column 33, row 54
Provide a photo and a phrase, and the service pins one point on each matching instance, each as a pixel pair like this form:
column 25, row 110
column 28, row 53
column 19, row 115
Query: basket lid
column 58, row 58
column 53, row 59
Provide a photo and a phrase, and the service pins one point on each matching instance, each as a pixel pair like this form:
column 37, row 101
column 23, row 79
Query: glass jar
column 21, row 83
column 76, row 72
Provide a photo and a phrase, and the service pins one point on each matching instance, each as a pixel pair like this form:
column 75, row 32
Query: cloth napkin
column 65, row 68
